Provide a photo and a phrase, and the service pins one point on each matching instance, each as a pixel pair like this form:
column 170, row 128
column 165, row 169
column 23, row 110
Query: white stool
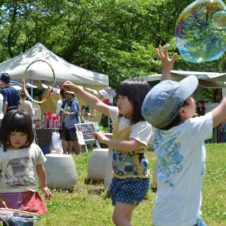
column 60, row 171
column 97, row 164
column 108, row 171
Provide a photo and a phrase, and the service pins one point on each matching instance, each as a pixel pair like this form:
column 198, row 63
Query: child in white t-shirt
column 178, row 142
column 21, row 165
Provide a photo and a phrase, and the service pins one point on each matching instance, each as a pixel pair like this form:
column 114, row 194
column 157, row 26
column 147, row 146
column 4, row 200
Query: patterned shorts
column 129, row 190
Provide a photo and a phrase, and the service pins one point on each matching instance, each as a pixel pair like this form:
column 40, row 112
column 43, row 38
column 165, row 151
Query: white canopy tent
column 40, row 71
column 206, row 79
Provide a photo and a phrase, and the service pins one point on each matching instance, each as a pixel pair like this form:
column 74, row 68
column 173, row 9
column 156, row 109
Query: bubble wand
column 52, row 86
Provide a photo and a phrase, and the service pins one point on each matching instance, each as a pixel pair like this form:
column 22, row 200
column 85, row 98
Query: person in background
column 21, row 165
column 59, row 111
column 37, row 112
column 131, row 134
column 85, row 113
column 60, row 101
column 222, row 128
column 70, row 114
column 1, row 108
column 200, row 109
column 10, row 94
column 24, row 104
column 85, row 109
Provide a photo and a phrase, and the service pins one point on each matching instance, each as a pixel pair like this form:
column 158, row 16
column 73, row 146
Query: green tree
column 115, row 37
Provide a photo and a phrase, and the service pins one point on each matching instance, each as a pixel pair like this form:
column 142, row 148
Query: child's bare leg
column 69, row 147
column 64, row 146
column 122, row 214
column 77, row 147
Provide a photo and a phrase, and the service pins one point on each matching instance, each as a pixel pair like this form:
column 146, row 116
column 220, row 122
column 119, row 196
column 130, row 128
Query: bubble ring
column 53, row 82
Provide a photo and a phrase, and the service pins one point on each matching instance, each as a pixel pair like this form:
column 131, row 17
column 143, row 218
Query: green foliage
column 118, row 38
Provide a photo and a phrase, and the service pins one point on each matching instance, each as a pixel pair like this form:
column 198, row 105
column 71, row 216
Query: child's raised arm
column 166, row 61
column 87, row 97
column 219, row 113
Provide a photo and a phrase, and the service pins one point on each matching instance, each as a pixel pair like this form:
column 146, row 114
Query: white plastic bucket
column 97, row 164
column 61, row 171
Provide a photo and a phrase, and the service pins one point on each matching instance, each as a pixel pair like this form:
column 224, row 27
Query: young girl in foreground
column 130, row 138
column 21, row 161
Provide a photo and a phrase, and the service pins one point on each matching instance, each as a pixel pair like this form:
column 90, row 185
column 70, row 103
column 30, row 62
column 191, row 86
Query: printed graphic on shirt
column 169, row 157
column 19, row 172
column 129, row 163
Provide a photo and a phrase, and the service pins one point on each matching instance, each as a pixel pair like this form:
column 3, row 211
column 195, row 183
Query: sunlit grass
column 87, row 205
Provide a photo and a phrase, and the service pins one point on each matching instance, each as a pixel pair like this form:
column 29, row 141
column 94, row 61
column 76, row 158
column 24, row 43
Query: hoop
column 17, row 216
column 52, row 86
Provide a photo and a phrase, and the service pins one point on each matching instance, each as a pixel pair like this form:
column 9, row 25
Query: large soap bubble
column 199, row 35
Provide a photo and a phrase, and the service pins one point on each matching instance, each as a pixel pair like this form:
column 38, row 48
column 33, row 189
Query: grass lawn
column 87, row 205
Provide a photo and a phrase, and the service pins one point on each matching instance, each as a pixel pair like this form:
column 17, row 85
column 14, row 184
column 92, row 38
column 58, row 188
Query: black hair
column 135, row 90
column 19, row 121
column 5, row 78
column 177, row 120
column 62, row 93
column 22, row 94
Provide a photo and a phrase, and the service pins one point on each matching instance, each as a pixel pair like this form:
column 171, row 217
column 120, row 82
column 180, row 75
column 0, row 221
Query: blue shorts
column 129, row 190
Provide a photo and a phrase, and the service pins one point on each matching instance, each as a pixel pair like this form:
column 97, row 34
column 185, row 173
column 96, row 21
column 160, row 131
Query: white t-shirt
column 37, row 111
column 59, row 106
column 18, row 169
column 181, row 167
column 141, row 131
column 26, row 106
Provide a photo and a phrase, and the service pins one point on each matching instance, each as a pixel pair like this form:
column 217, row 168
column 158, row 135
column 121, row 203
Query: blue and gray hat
column 163, row 101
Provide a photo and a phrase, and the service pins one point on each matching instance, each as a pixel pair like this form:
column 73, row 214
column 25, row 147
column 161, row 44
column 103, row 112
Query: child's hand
column 166, row 61
column 48, row 194
column 66, row 113
column 164, row 56
column 68, row 86
column 101, row 137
